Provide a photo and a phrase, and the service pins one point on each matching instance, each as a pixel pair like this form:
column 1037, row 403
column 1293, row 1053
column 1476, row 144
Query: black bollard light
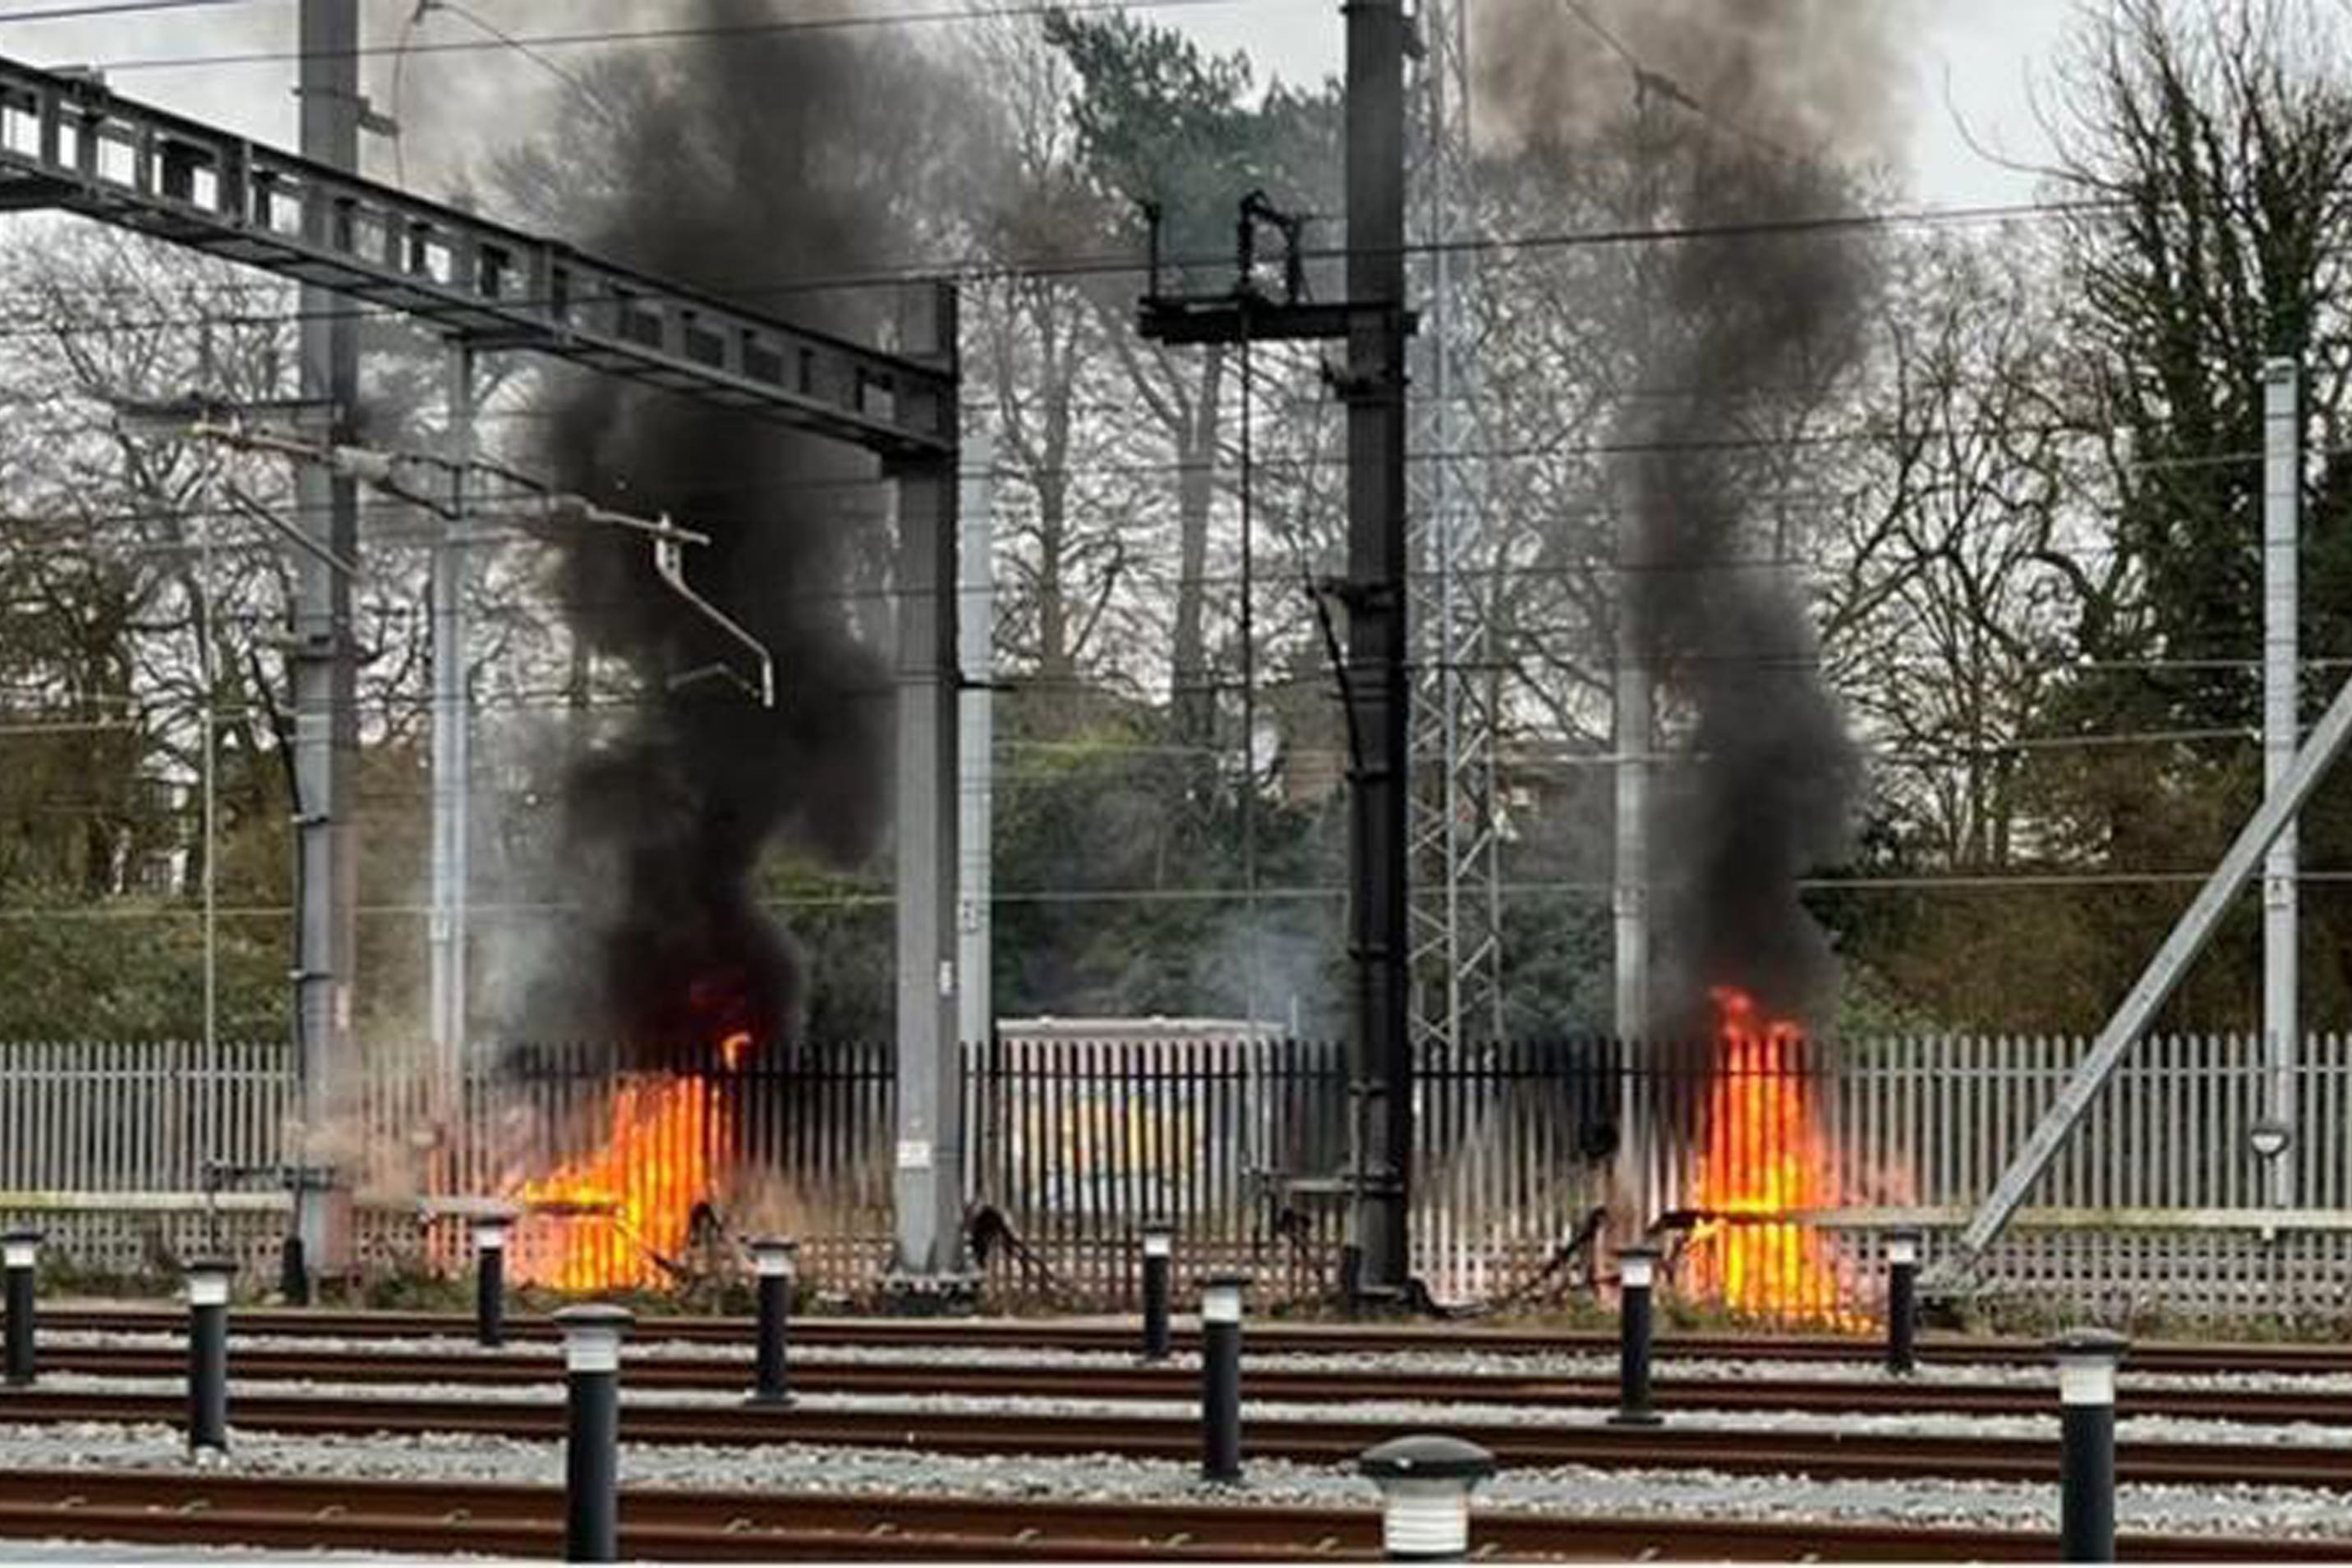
column 1159, row 1262
column 490, row 1234
column 1902, row 1302
column 20, row 1254
column 208, row 1287
column 774, row 1264
column 591, row 1444
column 1425, row 1485
column 2087, row 1359
column 1637, row 1269
column 293, row 1270
column 1221, row 1377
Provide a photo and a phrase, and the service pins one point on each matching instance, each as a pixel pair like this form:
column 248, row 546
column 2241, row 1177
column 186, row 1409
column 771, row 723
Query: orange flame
column 734, row 1049
column 633, row 1200
column 1764, row 1156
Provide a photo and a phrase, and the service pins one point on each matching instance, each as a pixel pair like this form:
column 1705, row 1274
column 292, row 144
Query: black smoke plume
column 749, row 161
column 1739, row 113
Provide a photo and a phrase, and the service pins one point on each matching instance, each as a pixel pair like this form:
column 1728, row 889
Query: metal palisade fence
column 133, row 1154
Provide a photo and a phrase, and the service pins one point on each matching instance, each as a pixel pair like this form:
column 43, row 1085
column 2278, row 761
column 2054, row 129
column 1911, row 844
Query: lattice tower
column 1456, row 818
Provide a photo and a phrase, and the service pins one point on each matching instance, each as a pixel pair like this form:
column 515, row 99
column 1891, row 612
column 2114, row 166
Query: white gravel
column 1368, row 1413
column 2275, row 1511
column 1436, row 1364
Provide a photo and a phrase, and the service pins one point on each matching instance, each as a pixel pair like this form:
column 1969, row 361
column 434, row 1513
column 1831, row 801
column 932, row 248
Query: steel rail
column 1825, row 1396
column 328, row 1514
column 1845, row 1455
column 1100, row 1334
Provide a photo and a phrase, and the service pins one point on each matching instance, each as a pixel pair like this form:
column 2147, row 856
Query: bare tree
column 1953, row 572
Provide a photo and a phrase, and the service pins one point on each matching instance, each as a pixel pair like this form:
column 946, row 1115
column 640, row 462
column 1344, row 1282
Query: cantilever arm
column 669, row 560
column 381, row 469
column 260, row 514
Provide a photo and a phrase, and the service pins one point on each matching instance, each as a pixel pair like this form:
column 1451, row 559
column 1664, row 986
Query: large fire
column 1764, row 1157
column 631, row 1201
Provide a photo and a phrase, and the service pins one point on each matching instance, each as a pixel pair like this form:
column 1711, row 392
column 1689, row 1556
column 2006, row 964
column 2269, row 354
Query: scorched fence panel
column 131, row 1154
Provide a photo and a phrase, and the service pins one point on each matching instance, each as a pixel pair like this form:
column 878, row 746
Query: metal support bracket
column 669, row 561
column 2157, row 982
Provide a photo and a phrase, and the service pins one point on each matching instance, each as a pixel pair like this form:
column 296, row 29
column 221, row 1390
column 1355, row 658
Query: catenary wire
column 672, row 33
column 977, row 270
column 1860, row 883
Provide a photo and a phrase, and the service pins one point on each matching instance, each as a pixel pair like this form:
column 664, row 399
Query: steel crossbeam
column 68, row 142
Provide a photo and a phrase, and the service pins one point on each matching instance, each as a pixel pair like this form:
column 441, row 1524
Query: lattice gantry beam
column 68, row 142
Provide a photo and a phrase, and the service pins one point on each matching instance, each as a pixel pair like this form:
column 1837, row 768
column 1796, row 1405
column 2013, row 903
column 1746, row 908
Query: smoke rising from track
column 740, row 161
column 1743, row 105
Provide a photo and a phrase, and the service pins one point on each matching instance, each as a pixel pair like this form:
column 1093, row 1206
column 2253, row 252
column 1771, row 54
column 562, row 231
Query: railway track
column 1321, row 1338
column 283, row 1513
column 409, row 1367
column 1827, row 1454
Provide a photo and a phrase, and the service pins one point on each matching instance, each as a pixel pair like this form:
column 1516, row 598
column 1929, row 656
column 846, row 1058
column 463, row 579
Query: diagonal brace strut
column 2164, row 972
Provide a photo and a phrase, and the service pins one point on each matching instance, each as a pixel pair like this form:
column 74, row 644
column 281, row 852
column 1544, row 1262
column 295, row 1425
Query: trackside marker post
column 20, row 1252
column 774, row 1264
column 490, row 1233
column 1221, row 1377
column 208, row 1282
column 2087, row 1359
column 1636, row 1274
column 1159, row 1259
column 1902, row 1302
column 592, row 1445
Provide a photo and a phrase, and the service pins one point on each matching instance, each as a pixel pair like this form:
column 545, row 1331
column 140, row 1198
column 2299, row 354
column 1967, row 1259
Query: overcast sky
column 1986, row 51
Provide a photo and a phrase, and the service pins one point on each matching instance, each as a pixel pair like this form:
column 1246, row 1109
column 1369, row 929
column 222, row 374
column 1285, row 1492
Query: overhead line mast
column 1373, row 680
column 324, row 656
column 1456, row 826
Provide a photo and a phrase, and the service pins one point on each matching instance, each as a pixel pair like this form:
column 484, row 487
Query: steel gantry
column 70, row 144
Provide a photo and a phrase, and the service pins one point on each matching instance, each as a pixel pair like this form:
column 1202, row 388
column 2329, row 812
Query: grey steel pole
column 452, row 738
column 1636, row 1274
column 1376, row 689
column 591, row 1444
column 928, row 1260
column 1159, row 1262
column 20, row 1252
column 2087, row 1359
column 2281, row 732
column 1425, row 1485
column 976, row 744
column 208, row 1287
column 773, row 1262
column 324, row 654
column 1221, row 1378
column 1630, row 895
column 1902, row 1302
column 1634, row 729
column 490, row 1233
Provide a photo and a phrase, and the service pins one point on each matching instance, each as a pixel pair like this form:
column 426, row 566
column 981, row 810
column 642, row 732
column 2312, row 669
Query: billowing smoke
column 749, row 161
column 1744, row 113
